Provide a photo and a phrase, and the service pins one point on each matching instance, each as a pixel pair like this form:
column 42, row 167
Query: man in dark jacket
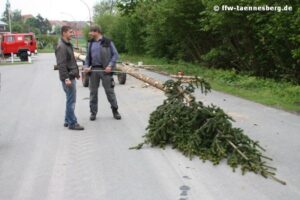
column 68, row 71
column 100, row 61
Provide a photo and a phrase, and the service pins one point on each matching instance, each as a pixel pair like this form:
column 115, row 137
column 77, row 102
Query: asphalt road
column 42, row 160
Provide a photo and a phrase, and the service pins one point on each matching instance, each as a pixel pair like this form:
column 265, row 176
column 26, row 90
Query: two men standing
column 100, row 63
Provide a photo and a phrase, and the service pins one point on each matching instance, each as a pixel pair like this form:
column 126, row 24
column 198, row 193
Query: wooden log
column 179, row 75
column 131, row 70
column 182, row 76
column 79, row 56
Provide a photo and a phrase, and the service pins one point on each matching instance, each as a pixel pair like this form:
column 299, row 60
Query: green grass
column 46, row 50
column 15, row 63
column 49, row 49
column 281, row 95
column 81, row 42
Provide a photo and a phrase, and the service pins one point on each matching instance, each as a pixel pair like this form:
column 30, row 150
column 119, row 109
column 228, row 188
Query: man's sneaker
column 93, row 117
column 76, row 127
column 66, row 124
column 116, row 114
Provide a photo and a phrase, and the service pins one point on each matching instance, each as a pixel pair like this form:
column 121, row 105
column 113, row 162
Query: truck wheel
column 85, row 79
column 122, row 78
column 23, row 56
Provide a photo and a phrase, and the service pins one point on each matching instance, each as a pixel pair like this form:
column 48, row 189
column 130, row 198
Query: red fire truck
column 20, row 44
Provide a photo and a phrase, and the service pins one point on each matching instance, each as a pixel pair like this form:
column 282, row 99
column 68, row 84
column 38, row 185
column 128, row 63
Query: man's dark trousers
column 107, row 83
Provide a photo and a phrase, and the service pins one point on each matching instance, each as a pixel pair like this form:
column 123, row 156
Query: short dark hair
column 95, row 29
column 65, row 29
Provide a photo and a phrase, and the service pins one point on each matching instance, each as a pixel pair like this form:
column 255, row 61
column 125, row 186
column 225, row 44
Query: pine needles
column 203, row 131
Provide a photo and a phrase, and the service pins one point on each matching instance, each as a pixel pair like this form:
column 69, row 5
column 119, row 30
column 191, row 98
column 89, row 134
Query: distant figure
column 68, row 71
column 100, row 63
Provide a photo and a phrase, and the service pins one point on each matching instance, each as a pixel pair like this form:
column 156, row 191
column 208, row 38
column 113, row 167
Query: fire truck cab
column 21, row 44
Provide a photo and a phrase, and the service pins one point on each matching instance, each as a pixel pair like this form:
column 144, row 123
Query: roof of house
column 2, row 23
column 77, row 24
column 57, row 22
column 25, row 17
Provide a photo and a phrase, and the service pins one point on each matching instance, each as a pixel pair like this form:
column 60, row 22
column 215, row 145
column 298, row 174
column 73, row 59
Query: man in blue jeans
column 68, row 71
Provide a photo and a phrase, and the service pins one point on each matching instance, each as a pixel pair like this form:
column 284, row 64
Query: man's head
column 66, row 32
column 95, row 32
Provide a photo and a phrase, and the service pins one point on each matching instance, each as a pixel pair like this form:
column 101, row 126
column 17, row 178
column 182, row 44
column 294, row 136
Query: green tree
column 17, row 27
column 6, row 12
column 258, row 43
column 16, row 21
column 106, row 7
column 264, row 44
column 57, row 30
column 112, row 24
column 16, row 16
column 31, row 24
column 43, row 24
column 174, row 30
column 127, row 6
column 38, row 25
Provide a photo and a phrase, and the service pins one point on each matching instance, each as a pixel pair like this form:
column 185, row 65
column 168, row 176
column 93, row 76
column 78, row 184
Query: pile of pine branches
column 203, row 131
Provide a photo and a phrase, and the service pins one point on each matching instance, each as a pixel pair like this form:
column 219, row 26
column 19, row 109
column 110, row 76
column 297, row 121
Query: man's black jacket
column 66, row 62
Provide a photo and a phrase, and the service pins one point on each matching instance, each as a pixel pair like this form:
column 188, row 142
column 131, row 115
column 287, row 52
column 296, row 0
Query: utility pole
column 88, row 10
column 111, row 6
column 8, row 13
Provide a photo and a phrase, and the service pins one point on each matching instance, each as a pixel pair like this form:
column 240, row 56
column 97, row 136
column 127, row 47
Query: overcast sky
column 53, row 9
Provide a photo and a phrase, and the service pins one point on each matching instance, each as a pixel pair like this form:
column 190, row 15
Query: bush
column 47, row 41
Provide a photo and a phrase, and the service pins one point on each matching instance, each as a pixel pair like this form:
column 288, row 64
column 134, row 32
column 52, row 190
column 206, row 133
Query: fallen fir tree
column 203, row 131
column 199, row 130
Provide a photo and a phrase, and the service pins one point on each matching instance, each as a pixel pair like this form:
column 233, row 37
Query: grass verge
column 46, row 50
column 15, row 63
column 283, row 95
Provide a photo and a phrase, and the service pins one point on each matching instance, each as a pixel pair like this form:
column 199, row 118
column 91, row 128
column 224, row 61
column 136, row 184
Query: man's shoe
column 93, row 117
column 66, row 124
column 76, row 127
column 116, row 114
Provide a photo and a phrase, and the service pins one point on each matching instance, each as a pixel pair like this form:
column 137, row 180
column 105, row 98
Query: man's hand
column 87, row 69
column 68, row 82
column 108, row 69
